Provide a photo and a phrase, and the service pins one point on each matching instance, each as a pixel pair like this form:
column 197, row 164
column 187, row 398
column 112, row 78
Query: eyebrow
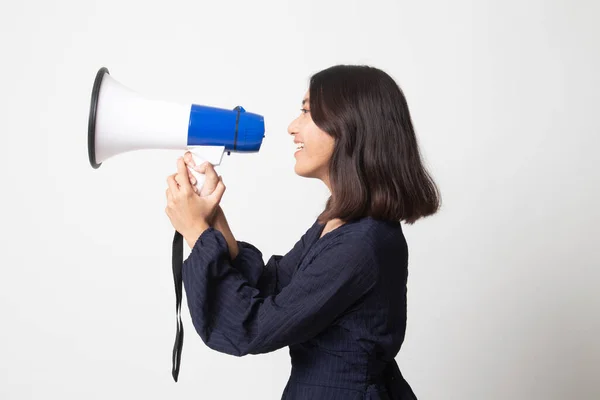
column 304, row 101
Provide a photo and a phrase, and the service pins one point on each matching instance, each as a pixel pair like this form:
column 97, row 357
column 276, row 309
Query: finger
column 217, row 195
column 189, row 160
column 183, row 180
column 169, row 195
column 201, row 167
column 211, row 180
column 192, row 181
column 172, row 184
column 191, row 177
column 191, row 172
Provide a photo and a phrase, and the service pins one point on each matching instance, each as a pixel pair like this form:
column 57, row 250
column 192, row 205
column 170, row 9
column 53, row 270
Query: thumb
column 201, row 168
column 217, row 195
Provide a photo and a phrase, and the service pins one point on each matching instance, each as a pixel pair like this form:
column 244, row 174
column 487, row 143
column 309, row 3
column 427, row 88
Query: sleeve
column 231, row 317
column 268, row 278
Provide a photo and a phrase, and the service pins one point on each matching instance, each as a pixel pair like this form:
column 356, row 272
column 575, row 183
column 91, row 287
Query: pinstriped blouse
column 338, row 302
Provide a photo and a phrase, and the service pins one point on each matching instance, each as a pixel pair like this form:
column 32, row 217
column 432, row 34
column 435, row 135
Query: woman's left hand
column 189, row 213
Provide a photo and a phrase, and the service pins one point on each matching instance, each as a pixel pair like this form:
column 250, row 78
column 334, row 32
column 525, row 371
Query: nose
column 293, row 127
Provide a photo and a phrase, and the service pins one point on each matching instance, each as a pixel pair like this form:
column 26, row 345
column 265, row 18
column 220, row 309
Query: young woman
column 338, row 298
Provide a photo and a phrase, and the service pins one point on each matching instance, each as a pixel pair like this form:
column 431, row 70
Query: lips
column 299, row 146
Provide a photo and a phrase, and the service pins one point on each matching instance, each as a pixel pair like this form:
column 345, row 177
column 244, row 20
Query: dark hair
column 376, row 168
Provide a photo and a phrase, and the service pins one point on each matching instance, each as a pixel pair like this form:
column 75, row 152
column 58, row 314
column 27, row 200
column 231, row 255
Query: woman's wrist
column 220, row 224
column 218, row 219
column 194, row 234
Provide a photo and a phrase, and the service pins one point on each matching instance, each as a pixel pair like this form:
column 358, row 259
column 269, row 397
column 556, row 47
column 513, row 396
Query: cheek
column 325, row 146
column 322, row 152
column 319, row 139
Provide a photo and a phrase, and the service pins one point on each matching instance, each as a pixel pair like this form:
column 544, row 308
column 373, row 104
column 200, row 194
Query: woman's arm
column 220, row 224
column 231, row 317
column 247, row 259
column 269, row 278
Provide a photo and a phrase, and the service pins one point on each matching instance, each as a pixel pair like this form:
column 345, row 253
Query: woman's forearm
column 220, row 224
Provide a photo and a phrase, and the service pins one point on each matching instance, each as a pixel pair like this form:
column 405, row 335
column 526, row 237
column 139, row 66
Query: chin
column 303, row 172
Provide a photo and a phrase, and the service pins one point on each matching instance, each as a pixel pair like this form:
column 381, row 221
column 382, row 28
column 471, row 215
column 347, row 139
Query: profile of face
column 314, row 146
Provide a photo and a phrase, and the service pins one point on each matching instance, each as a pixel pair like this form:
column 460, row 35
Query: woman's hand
column 211, row 177
column 189, row 213
column 219, row 222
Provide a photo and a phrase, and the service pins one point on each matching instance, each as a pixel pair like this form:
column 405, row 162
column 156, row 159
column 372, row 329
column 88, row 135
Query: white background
column 503, row 285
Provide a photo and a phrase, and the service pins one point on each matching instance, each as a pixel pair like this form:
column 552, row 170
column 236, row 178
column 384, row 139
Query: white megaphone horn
column 121, row 120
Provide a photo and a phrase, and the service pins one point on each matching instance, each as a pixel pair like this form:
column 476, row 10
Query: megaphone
column 121, row 120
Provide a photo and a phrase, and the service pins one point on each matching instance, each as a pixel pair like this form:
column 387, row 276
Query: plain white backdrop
column 503, row 284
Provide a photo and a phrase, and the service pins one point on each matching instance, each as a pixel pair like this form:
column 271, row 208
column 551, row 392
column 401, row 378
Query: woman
column 338, row 298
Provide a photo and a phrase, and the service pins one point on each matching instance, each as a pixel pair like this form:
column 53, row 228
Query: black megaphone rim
column 92, row 117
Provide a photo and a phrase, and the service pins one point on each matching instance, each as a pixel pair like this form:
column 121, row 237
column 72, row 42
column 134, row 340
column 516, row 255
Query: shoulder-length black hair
column 376, row 168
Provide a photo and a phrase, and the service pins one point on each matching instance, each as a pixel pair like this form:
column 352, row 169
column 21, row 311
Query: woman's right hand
column 210, row 183
column 219, row 222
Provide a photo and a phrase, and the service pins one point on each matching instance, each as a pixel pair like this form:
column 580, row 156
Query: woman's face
column 312, row 160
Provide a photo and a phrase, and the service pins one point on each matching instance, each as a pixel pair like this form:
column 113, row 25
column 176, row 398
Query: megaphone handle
column 200, row 177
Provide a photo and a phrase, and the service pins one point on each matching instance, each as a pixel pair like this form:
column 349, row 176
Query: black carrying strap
column 177, row 264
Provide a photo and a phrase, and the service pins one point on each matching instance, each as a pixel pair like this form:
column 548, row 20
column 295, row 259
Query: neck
column 326, row 182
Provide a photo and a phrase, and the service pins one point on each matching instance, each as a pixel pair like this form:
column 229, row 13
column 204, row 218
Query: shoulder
column 369, row 233
column 370, row 240
column 359, row 239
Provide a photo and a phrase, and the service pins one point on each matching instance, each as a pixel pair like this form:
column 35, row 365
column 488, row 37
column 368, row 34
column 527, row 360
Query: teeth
column 300, row 146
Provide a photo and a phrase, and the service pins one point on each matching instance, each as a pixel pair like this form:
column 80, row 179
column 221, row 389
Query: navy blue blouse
column 338, row 302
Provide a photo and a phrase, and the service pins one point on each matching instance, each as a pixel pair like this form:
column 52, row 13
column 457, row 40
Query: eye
column 304, row 110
